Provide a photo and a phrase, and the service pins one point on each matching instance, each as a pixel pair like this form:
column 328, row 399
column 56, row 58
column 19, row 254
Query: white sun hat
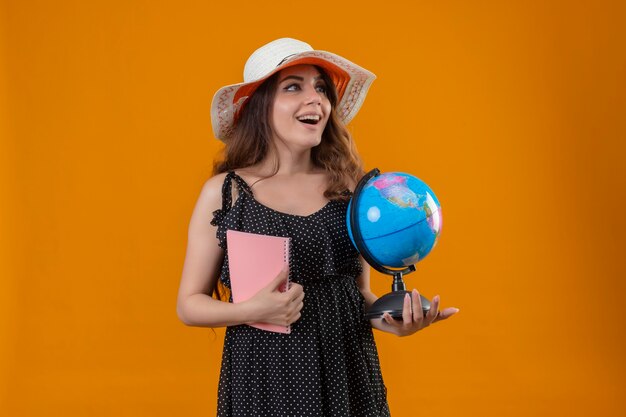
column 351, row 81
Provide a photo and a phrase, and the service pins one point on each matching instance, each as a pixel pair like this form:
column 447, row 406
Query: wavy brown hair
column 251, row 141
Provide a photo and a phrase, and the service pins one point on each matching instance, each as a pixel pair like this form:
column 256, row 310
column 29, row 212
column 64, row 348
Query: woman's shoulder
column 214, row 184
column 211, row 193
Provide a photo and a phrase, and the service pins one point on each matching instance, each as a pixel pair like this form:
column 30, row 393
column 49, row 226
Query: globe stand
column 393, row 302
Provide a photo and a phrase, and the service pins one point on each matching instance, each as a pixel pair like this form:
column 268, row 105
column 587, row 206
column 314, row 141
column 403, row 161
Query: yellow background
column 512, row 111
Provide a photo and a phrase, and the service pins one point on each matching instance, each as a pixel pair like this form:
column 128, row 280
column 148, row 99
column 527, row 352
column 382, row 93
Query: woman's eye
column 321, row 88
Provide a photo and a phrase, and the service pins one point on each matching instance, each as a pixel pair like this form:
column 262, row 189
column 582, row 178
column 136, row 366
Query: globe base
column 393, row 303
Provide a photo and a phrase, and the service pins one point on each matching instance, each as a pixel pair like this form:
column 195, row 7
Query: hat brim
column 351, row 82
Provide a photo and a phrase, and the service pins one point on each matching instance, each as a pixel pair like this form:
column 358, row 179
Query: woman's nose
column 313, row 96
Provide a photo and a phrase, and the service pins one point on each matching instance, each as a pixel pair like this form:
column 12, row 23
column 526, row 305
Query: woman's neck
column 289, row 162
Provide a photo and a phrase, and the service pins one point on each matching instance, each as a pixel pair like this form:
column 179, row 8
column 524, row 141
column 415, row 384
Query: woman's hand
column 270, row 305
column 413, row 319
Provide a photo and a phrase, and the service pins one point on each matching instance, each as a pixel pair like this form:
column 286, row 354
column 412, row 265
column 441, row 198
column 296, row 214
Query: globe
column 398, row 217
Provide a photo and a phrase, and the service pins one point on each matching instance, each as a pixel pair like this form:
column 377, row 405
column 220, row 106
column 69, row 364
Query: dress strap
column 243, row 186
column 227, row 195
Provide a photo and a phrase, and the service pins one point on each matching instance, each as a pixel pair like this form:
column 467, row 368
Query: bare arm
column 203, row 261
column 363, row 282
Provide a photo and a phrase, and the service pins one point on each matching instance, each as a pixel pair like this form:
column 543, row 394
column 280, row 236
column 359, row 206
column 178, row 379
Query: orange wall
column 513, row 112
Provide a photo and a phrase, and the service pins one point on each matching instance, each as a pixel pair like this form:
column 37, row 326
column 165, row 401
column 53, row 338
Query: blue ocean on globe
column 399, row 218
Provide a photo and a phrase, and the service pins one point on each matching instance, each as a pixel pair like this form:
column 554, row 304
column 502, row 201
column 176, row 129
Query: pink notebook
column 253, row 262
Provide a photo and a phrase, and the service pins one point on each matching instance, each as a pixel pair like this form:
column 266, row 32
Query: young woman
column 289, row 168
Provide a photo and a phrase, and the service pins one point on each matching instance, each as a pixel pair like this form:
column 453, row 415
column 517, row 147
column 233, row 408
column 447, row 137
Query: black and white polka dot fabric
column 328, row 365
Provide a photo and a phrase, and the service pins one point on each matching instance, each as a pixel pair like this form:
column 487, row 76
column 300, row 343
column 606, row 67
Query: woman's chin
column 304, row 143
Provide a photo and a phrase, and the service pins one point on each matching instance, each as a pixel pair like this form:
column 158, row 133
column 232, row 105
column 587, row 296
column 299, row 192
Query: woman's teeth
column 309, row 118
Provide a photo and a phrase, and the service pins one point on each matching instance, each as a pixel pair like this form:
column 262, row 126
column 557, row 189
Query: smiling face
column 301, row 107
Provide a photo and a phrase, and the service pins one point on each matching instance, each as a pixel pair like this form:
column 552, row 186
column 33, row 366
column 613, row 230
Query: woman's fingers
column 418, row 313
column 446, row 313
column 389, row 320
column 295, row 293
column 297, row 297
column 407, row 318
column 296, row 317
column 296, row 304
column 433, row 312
column 299, row 307
column 295, row 289
column 413, row 317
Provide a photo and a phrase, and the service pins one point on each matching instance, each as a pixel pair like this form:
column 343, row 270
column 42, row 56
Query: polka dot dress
column 328, row 364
